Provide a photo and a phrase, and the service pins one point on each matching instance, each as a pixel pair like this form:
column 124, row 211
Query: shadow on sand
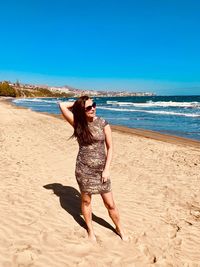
column 70, row 200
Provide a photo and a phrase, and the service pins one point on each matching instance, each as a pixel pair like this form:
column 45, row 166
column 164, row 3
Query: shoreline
column 172, row 139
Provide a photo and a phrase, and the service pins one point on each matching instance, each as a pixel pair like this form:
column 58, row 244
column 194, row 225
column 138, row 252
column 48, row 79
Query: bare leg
column 87, row 214
column 113, row 213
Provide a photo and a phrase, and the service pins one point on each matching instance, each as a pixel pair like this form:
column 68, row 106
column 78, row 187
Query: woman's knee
column 85, row 200
column 110, row 205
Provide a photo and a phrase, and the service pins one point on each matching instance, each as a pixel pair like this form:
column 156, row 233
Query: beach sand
column 155, row 181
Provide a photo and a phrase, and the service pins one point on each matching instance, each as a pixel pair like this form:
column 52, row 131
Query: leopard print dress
column 91, row 161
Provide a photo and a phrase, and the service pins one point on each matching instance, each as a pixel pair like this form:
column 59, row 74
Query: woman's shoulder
column 102, row 121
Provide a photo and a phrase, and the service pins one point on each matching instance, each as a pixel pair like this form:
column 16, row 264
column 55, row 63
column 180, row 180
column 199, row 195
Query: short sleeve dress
column 91, row 161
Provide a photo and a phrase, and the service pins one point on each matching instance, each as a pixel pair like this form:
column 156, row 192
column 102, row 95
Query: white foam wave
column 174, row 104
column 153, row 112
column 157, row 104
column 111, row 102
column 36, row 100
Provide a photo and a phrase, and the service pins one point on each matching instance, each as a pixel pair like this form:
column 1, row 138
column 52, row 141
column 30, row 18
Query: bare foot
column 91, row 236
column 121, row 233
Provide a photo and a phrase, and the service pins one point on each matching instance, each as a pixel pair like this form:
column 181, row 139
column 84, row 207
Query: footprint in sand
column 24, row 258
column 150, row 257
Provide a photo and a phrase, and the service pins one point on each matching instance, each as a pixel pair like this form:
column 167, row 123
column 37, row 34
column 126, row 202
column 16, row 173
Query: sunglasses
column 88, row 108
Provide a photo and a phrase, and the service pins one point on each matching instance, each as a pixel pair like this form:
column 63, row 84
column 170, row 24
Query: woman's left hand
column 105, row 176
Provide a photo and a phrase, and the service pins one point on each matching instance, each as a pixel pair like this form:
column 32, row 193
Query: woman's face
column 90, row 111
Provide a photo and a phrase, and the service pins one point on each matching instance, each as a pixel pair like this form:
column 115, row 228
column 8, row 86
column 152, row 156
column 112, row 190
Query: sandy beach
column 155, row 181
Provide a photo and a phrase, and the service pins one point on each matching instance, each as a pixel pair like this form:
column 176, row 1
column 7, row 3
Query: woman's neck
column 91, row 119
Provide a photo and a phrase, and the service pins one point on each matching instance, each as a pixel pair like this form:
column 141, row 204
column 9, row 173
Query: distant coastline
column 17, row 89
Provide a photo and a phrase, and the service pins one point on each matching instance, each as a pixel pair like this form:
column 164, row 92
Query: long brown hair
column 81, row 129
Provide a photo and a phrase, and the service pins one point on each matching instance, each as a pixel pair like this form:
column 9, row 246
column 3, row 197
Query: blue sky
column 132, row 45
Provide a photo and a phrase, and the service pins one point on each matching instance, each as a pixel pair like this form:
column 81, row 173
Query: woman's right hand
column 66, row 104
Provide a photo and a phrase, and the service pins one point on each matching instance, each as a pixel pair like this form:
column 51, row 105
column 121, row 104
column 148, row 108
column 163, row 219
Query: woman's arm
column 108, row 139
column 65, row 109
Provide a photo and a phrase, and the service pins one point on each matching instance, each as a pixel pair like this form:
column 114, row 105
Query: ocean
column 174, row 115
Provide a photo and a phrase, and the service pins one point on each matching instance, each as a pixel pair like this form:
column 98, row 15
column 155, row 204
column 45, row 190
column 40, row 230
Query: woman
column 93, row 162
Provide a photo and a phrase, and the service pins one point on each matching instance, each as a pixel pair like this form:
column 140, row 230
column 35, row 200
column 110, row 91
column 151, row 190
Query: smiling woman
column 84, row 111
column 93, row 162
column 88, row 108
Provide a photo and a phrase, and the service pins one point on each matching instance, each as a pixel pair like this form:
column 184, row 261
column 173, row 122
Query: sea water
column 174, row 115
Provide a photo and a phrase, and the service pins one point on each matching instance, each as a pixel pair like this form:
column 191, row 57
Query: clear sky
column 102, row 44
